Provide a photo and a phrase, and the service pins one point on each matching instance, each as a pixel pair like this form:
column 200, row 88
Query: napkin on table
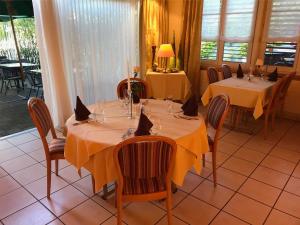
column 144, row 125
column 273, row 76
column 239, row 72
column 190, row 107
column 81, row 111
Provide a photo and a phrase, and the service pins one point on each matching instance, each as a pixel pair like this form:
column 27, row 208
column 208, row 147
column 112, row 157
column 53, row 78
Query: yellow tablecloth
column 250, row 94
column 91, row 145
column 163, row 85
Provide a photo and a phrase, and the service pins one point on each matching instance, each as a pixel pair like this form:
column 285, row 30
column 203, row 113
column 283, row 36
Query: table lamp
column 165, row 51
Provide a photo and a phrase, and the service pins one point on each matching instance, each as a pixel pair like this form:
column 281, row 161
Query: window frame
column 221, row 40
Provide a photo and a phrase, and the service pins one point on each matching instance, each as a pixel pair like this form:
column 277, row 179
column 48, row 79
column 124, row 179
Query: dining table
column 249, row 92
column 90, row 144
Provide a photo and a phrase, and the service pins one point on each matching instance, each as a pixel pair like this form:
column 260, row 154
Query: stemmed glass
column 169, row 100
column 157, row 126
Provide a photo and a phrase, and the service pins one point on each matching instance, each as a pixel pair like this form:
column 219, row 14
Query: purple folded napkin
column 81, row 111
column 190, row 107
column 144, row 125
column 273, row 76
column 239, row 72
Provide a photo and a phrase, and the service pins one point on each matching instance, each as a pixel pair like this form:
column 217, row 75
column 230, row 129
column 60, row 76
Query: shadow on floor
column 14, row 116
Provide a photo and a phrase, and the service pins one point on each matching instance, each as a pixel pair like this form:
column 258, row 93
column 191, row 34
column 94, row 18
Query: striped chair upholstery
column 57, row 145
column 42, row 115
column 144, row 166
column 216, row 108
column 212, row 75
column 226, row 71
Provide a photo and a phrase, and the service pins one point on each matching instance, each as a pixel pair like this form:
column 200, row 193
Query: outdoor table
column 91, row 144
column 16, row 65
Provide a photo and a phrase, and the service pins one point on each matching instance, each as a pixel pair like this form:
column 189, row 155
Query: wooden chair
column 282, row 95
column 226, row 71
column 42, row 120
column 139, row 83
column 271, row 107
column 212, row 75
column 55, row 149
column 216, row 114
column 144, row 166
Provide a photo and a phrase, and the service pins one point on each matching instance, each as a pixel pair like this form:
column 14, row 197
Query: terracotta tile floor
column 258, row 183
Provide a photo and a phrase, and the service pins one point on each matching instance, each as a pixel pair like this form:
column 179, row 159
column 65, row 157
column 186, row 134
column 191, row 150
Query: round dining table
column 90, row 144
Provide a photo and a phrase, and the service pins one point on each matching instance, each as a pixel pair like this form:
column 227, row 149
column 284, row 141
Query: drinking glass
column 157, row 126
column 169, row 100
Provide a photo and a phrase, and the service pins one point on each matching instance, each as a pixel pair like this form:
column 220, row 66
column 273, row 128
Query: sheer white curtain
column 84, row 48
column 98, row 37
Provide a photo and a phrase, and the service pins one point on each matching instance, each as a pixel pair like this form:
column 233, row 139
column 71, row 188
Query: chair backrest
column 226, row 71
column 276, row 90
column 286, row 85
column 136, row 83
column 145, row 157
column 40, row 116
column 216, row 113
column 212, row 75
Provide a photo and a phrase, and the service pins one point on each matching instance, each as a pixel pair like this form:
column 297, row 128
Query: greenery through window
column 25, row 32
column 209, row 50
column 280, row 53
column 235, row 52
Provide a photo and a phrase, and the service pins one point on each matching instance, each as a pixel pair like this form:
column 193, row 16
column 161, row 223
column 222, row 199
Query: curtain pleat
column 154, row 30
column 189, row 48
column 99, row 46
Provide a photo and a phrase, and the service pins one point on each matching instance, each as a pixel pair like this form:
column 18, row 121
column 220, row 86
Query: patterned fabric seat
column 226, row 71
column 145, row 165
column 57, row 145
column 212, row 75
column 143, row 186
column 138, row 85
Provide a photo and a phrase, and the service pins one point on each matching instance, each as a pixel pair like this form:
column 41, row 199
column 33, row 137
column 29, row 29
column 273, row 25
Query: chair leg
column 105, row 192
column 48, row 178
column 56, row 167
column 203, row 160
column 214, row 164
column 169, row 207
column 93, row 183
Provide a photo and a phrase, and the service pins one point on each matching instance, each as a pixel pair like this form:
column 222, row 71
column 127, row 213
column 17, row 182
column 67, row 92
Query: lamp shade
column 165, row 50
column 259, row 62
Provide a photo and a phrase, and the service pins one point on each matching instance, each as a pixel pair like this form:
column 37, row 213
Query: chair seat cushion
column 143, row 186
column 57, row 146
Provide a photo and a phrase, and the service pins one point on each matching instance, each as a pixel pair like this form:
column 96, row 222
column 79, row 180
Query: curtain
column 154, row 29
column 54, row 77
column 98, row 42
column 190, row 43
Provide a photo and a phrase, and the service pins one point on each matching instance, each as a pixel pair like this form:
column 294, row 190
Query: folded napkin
column 239, row 72
column 81, row 111
column 144, row 125
column 273, row 76
column 190, row 107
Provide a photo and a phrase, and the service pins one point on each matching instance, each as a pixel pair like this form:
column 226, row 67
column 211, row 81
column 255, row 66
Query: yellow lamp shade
column 165, row 50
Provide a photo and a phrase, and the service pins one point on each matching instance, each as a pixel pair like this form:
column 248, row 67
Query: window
column 283, row 33
column 280, row 53
column 235, row 34
column 235, row 52
column 210, row 29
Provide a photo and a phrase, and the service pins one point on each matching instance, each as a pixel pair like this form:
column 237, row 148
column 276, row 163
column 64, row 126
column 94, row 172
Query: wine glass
column 169, row 100
column 157, row 126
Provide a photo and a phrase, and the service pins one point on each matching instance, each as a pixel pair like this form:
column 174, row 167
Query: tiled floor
column 258, row 183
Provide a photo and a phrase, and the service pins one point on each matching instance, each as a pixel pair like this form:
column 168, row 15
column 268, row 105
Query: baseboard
column 291, row 116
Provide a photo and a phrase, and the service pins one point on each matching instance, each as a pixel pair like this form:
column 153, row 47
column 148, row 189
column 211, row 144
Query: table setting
column 91, row 139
